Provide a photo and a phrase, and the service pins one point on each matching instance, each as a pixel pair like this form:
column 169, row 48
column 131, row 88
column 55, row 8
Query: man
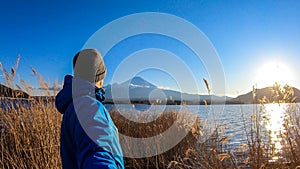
column 89, row 138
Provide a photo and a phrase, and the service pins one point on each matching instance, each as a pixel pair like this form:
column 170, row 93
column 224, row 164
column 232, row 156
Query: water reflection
column 274, row 122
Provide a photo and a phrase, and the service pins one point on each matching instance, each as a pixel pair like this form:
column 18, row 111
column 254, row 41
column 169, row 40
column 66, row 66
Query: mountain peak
column 138, row 81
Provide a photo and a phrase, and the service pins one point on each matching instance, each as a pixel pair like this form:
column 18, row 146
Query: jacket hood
column 75, row 87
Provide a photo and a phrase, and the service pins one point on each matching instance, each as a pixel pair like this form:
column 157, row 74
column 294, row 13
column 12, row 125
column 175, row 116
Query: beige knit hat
column 89, row 64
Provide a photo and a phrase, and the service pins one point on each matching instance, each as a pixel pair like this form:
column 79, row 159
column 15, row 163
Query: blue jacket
column 89, row 138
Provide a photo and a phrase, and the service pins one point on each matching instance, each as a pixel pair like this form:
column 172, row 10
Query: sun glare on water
column 273, row 72
column 274, row 124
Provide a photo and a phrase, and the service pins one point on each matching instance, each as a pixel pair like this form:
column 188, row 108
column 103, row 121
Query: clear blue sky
column 246, row 34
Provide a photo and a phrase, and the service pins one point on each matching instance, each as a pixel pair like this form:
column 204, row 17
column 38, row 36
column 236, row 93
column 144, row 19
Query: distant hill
column 11, row 93
column 267, row 91
column 138, row 90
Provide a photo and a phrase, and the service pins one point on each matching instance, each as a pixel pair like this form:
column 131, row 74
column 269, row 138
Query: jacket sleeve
column 96, row 138
column 98, row 159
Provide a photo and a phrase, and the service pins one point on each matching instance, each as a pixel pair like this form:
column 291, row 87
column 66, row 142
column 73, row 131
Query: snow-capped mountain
column 140, row 82
column 139, row 90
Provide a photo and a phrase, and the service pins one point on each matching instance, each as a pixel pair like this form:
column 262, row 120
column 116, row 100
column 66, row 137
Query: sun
column 273, row 72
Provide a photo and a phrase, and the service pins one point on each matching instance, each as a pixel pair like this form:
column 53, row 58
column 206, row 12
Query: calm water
column 232, row 118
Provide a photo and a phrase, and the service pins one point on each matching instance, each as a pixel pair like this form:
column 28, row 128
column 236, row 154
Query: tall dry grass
column 30, row 127
column 29, row 135
column 188, row 153
column 263, row 153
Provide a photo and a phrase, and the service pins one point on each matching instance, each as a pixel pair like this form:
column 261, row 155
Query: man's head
column 89, row 64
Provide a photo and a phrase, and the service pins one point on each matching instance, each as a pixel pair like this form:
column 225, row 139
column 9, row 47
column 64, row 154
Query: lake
column 232, row 118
